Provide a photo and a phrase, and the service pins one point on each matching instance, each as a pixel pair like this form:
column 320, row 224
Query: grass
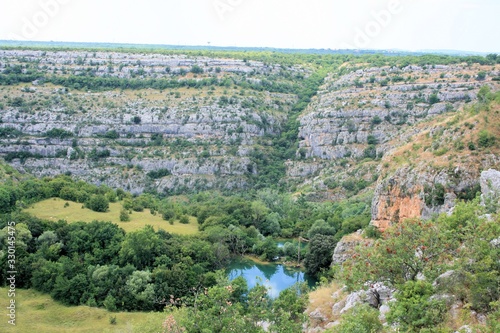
column 54, row 210
column 321, row 299
column 37, row 312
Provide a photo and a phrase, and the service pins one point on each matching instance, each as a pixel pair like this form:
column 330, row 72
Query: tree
column 214, row 310
column 110, row 303
column 372, row 140
column 287, row 313
column 321, row 227
column 269, row 249
column 98, row 203
column 271, row 226
column 407, row 250
column 195, row 69
column 140, row 248
column 140, row 290
column 7, row 199
column 320, row 253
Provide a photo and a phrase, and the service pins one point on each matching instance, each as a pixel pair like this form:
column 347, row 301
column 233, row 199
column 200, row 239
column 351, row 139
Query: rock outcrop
column 421, row 192
column 345, row 248
column 490, row 189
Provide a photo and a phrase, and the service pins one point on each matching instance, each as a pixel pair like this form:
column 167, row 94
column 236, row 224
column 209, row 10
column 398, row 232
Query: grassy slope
column 54, row 210
column 37, row 312
column 465, row 125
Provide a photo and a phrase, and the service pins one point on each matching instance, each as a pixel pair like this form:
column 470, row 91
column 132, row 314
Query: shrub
column 160, row 173
column 414, row 309
column 124, row 216
column 486, row 139
column 481, row 76
column 58, row 133
column 370, row 152
column 373, row 232
column 433, row 99
column 372, row 140
column 184, row 219
column 434, row 196
column 136, row 120
column 9, row 132
column 376, row 120
column 319, row 255
column 97, row 154
column 361, row 319
column 113, row 134
column 196, row 69
column 168, row 214
column 110, row 303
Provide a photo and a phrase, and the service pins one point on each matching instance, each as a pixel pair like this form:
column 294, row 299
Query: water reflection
column 275, row 277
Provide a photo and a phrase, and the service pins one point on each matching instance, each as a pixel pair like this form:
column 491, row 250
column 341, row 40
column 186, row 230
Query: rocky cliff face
column 420, row 192
column 375, row 105
column 199, row 132
column 359, row 117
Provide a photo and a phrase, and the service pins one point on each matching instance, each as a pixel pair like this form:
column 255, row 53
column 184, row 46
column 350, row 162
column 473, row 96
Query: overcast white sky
column 468, row 25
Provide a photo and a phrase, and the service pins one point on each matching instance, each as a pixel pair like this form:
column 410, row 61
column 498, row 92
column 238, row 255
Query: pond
column 275, row 277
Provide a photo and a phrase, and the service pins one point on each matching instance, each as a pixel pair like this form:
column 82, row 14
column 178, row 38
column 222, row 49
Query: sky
column 465, row 25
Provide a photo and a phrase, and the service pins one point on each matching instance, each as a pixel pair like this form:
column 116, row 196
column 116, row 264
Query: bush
column 110, row 303
column 98, row 154
column 373, row 232
column 9, row 132
column 370, row 152
column 58, row 133
column 136, row 120
column 376, row 120
column 372, row 140
column 168, row 214
column 486, row 139
column 361, row 319
column 196, row 69
column 414, row 309
column 184, row 219
column 160, row 173
column 481, row 76
column 434, row 196
column 113, row 134
column 124, row 216
column 433, row 99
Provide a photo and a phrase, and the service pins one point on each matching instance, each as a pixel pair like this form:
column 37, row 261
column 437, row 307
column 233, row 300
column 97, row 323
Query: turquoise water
column 274, row 276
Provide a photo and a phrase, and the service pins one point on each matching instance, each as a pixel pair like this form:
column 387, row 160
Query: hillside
column 359, row 117
column 112, row 118
column 440, row 164
column 169, row 122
